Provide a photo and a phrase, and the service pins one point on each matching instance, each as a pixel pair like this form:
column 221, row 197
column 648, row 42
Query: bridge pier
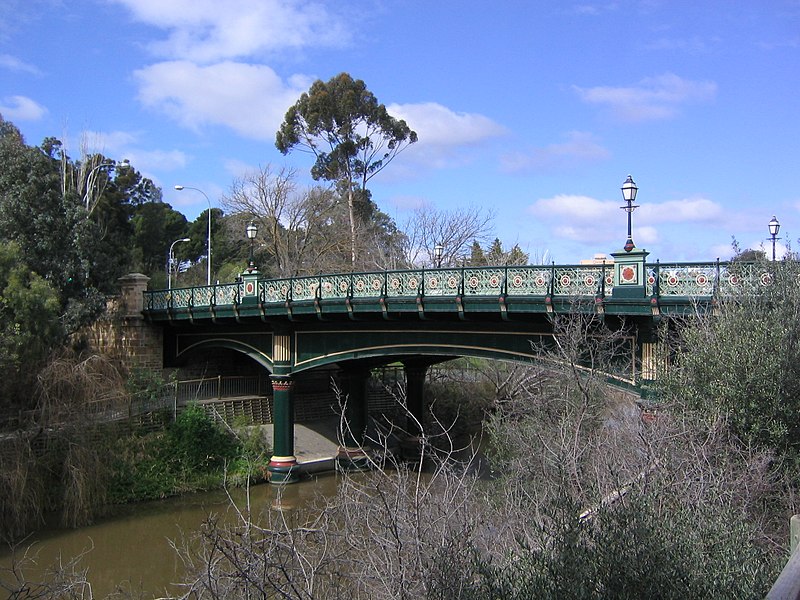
column 351, row 454
column 415, row 404
column 282, row 465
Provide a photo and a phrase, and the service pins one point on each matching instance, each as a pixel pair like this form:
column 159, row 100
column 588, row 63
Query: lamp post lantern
column 438, row 250
column 629, row 190
column 180, row 188
column 774, row 228
column 171, row 259
column 251, row 230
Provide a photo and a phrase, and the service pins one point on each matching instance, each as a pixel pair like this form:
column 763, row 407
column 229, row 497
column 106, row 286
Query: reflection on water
column 133, row 548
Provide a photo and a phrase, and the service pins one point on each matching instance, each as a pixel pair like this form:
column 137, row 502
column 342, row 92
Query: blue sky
column 537, row 110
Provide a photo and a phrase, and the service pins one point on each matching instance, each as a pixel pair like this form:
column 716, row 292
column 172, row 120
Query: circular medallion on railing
column 540, row 281
column 628, row 275
column 494, row 281
column 589, row 281
column 472, row 282
column 610, row 279
column 360, row 285
column 342, row 286
column 298, row 288
column 701, row 280
column 516, row 281
column 376, row 284
column 565, row 280
column 271, row 291
column 651, row 279
column 452, row 282
column 733, row 279
column 327, row 287
column 413, row 282
column 765, row 279
column 672, row 279
column 395, row 283
column 433, row 282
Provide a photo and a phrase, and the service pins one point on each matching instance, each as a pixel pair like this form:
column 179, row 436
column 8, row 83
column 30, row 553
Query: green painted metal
column 672, row 288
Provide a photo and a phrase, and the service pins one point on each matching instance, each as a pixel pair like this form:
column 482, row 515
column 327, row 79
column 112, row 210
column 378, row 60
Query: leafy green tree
column 29, row 325
column 351, row 135
column 155, row 226
column 741, row 365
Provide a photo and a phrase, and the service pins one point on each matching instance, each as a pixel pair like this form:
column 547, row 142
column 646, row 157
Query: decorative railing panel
column 528, row 281
column 676, row 280
column 577, row 281
column 688, row 279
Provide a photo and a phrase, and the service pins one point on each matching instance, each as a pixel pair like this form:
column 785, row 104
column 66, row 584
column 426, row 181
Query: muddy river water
column 133, row 549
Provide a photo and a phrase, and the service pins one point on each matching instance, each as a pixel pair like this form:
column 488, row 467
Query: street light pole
column 170, row 259
column 87, row 196
column 629, row 190
column 774, row 227
column 181, row 188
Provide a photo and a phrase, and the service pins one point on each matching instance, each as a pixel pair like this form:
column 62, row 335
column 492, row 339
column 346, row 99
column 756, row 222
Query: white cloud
column 21, row 108
column 125, row 145
column 583, row 218
column 579, row 148
column 208, row 31
column 12, row 63
column 445, row 136
column 437, row 125
column 249, row 99
column 652, row 98
column 682, row 211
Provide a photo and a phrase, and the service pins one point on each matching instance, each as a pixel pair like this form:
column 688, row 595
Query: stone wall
column 122, row 332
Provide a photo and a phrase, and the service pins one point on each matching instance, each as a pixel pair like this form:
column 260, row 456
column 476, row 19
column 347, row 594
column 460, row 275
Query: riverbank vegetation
column 587, row 499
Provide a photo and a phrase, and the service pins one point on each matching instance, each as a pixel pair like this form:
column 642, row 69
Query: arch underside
column 312, row 349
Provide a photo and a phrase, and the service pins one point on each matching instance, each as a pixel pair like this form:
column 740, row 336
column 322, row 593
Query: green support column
column 283, row 464
column 415, row 404
column 352, row 455
column 415, row 397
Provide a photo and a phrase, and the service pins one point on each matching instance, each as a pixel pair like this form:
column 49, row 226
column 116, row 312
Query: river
column 133, row 549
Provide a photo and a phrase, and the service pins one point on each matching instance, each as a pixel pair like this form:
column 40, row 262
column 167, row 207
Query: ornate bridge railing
column 663, row 280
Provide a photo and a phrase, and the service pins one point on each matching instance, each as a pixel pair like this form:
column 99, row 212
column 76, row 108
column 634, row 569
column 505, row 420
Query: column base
column 283, row 469
column 352, row 459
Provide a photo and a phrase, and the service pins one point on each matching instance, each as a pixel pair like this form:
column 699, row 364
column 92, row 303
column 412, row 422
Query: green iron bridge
column 359, row 321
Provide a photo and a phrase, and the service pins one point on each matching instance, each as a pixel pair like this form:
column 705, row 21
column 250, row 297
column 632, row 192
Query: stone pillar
column 138, row 343
column 351, row 455
column 132, row 288
column 283, row 464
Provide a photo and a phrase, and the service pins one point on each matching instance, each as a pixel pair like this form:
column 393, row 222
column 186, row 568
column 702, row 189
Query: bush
column 196, row 442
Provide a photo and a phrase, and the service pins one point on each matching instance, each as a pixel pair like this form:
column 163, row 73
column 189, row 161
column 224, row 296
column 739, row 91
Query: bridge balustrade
column 667, row 280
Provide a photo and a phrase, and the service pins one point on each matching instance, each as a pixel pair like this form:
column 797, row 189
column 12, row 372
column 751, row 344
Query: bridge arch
column 206, row 344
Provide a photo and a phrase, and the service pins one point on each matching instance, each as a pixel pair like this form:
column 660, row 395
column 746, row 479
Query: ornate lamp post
column 774, row 227
column 181, row 188
column 251, row 230
column 438, row 250
column 629, row 190
column 171, row 260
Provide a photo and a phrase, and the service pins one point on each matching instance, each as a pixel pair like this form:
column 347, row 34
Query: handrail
column 662, row 280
